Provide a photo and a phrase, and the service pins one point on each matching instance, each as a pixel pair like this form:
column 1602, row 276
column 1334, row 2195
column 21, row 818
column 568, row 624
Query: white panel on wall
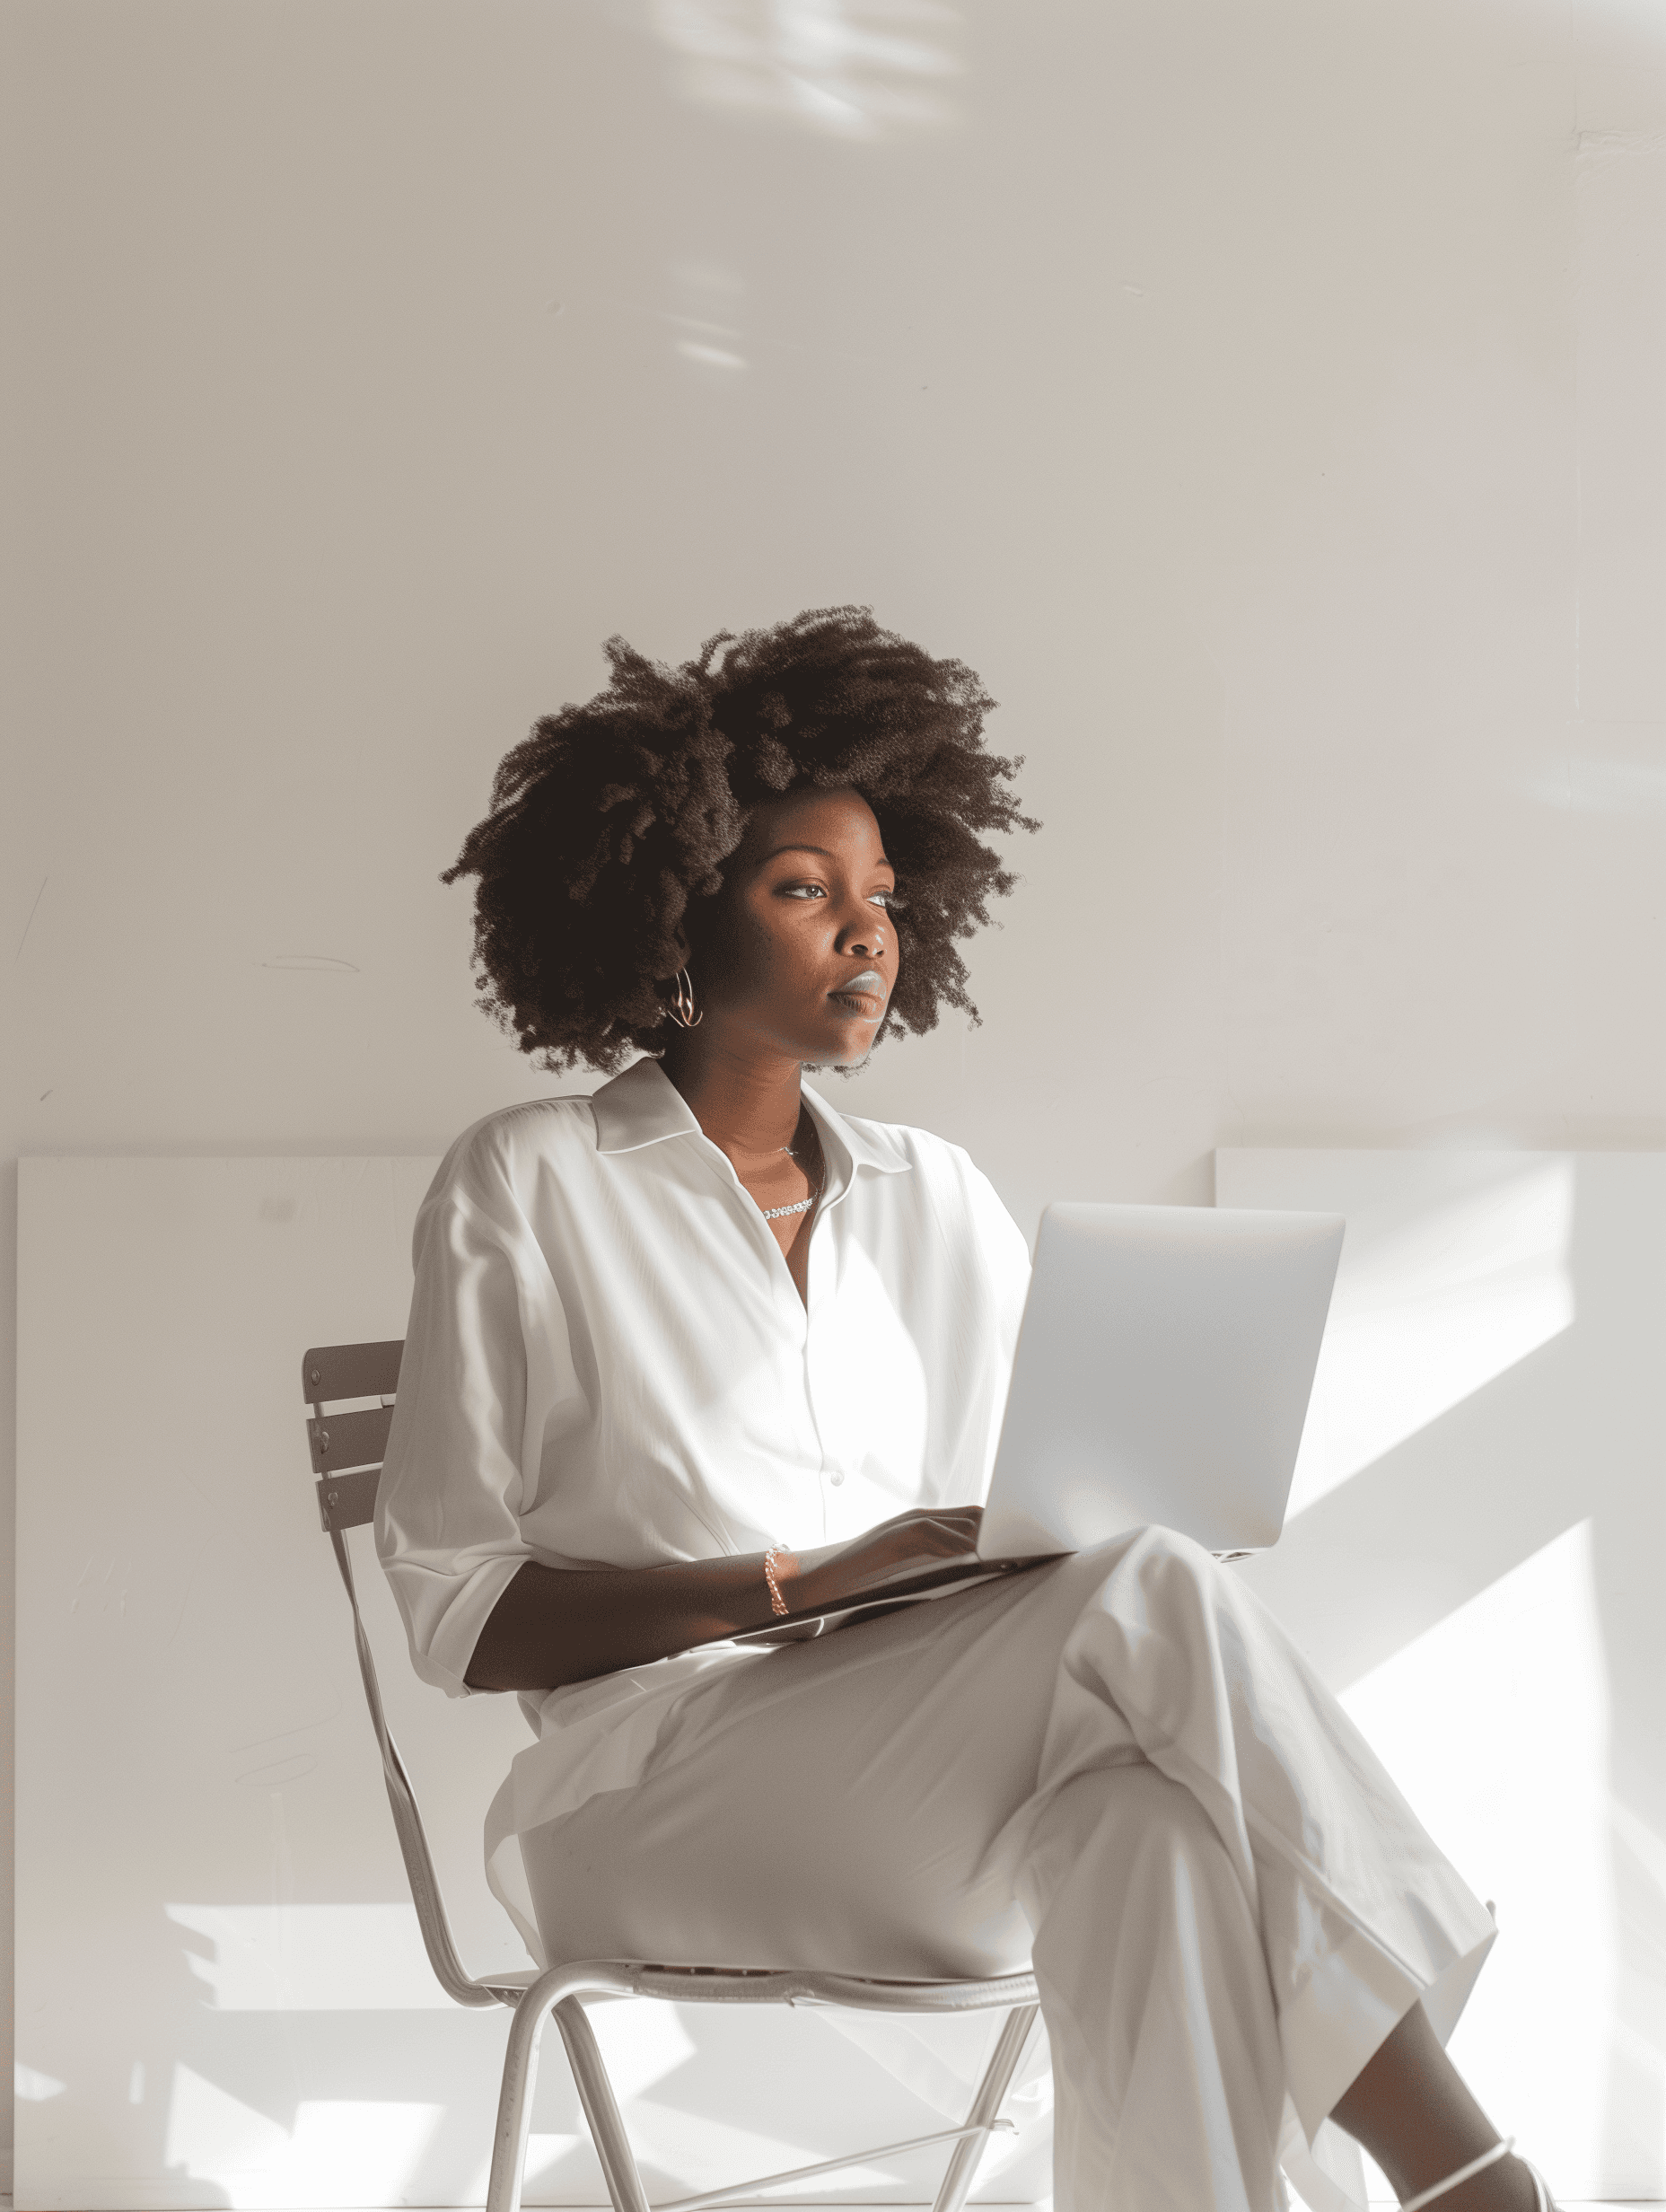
column 1473, row 1560
column 222, row 1994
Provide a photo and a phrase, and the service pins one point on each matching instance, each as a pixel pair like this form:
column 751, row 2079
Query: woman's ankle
column 1507, row 2186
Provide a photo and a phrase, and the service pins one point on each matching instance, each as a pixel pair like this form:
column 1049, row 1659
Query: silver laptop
column 1164, row 1372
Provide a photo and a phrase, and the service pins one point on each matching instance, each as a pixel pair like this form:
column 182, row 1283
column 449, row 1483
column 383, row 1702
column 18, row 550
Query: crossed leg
column 1412, row 2109
column 1120, row 1761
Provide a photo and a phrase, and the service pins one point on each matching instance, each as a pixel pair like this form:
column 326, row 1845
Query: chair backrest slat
column 347, row 1501
column 341, row 1440
column 333, row 1370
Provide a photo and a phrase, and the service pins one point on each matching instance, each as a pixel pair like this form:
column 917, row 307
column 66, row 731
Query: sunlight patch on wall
column 708, row 356
column 345, row 2153
column 840, row 68
column 35, row 2087
column 707, row 296
column 1495, row 1726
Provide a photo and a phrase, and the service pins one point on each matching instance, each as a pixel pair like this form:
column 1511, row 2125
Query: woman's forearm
column 558, row 1625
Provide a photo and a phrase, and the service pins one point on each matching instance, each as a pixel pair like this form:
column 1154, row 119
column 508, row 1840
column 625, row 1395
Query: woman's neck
column 746, row 1103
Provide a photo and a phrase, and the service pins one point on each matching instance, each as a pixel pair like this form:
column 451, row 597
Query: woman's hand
column 912, row 1550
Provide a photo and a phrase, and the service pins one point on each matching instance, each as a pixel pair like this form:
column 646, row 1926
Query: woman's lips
column 867, row 989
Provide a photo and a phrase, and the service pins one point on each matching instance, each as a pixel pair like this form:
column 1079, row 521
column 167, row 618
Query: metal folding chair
column 347, row 1444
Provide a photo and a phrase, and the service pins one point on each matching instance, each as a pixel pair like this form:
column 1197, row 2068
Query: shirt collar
column 866, row 1144
column 644, row 1106
column 641, row 1107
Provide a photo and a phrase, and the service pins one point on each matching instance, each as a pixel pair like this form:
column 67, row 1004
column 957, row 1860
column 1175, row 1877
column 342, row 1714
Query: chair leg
column 986, row 2108
column 607, row 2128
column 515, row 2106
column 595, row 2092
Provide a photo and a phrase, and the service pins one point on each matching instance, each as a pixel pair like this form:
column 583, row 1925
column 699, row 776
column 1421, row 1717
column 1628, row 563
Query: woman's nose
column 865, row 937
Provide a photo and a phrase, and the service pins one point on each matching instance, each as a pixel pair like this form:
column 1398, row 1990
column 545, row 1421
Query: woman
column 699, row 1353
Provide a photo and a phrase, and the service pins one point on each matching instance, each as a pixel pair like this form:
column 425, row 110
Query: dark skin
column 795, row 970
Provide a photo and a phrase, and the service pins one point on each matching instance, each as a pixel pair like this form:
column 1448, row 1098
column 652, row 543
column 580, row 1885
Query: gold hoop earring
column 682, row 1009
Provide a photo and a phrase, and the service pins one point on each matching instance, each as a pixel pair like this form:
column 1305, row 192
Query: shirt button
column 835, row 1480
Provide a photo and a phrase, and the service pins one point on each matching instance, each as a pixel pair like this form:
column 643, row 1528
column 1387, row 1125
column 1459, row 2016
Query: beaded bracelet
column 778, row 1602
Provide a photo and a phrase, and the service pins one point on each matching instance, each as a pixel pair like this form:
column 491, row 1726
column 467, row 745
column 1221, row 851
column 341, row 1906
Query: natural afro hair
column 611, row 817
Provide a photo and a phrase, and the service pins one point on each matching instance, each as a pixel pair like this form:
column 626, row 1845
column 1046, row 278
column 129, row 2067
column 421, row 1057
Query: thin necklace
column 777, row 1213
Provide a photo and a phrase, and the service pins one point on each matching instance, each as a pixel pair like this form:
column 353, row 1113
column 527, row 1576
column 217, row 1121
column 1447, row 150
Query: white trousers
column 1118, row 1764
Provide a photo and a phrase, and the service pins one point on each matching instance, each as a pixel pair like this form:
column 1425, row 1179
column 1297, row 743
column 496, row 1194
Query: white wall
column 1264, row 398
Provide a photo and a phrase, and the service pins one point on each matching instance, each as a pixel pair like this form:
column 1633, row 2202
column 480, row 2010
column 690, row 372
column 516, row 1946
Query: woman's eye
column 886, row 899
column 802, row 890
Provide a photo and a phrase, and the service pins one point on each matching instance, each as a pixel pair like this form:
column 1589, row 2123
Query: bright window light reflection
column 709, row 356
column 838, row 66
column 1433, row 1302
column 706, row 300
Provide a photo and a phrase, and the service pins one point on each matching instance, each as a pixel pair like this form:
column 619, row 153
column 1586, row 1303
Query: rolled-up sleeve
column 464, row 1446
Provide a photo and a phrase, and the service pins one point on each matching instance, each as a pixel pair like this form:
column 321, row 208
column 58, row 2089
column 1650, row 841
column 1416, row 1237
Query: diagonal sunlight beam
column 1451, row 1433
column 1455, row 1267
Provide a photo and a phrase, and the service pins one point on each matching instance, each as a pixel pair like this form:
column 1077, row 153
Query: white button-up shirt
column 607, row 1362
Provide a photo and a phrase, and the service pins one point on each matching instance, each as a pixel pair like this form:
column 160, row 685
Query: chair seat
column 756, row 1984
